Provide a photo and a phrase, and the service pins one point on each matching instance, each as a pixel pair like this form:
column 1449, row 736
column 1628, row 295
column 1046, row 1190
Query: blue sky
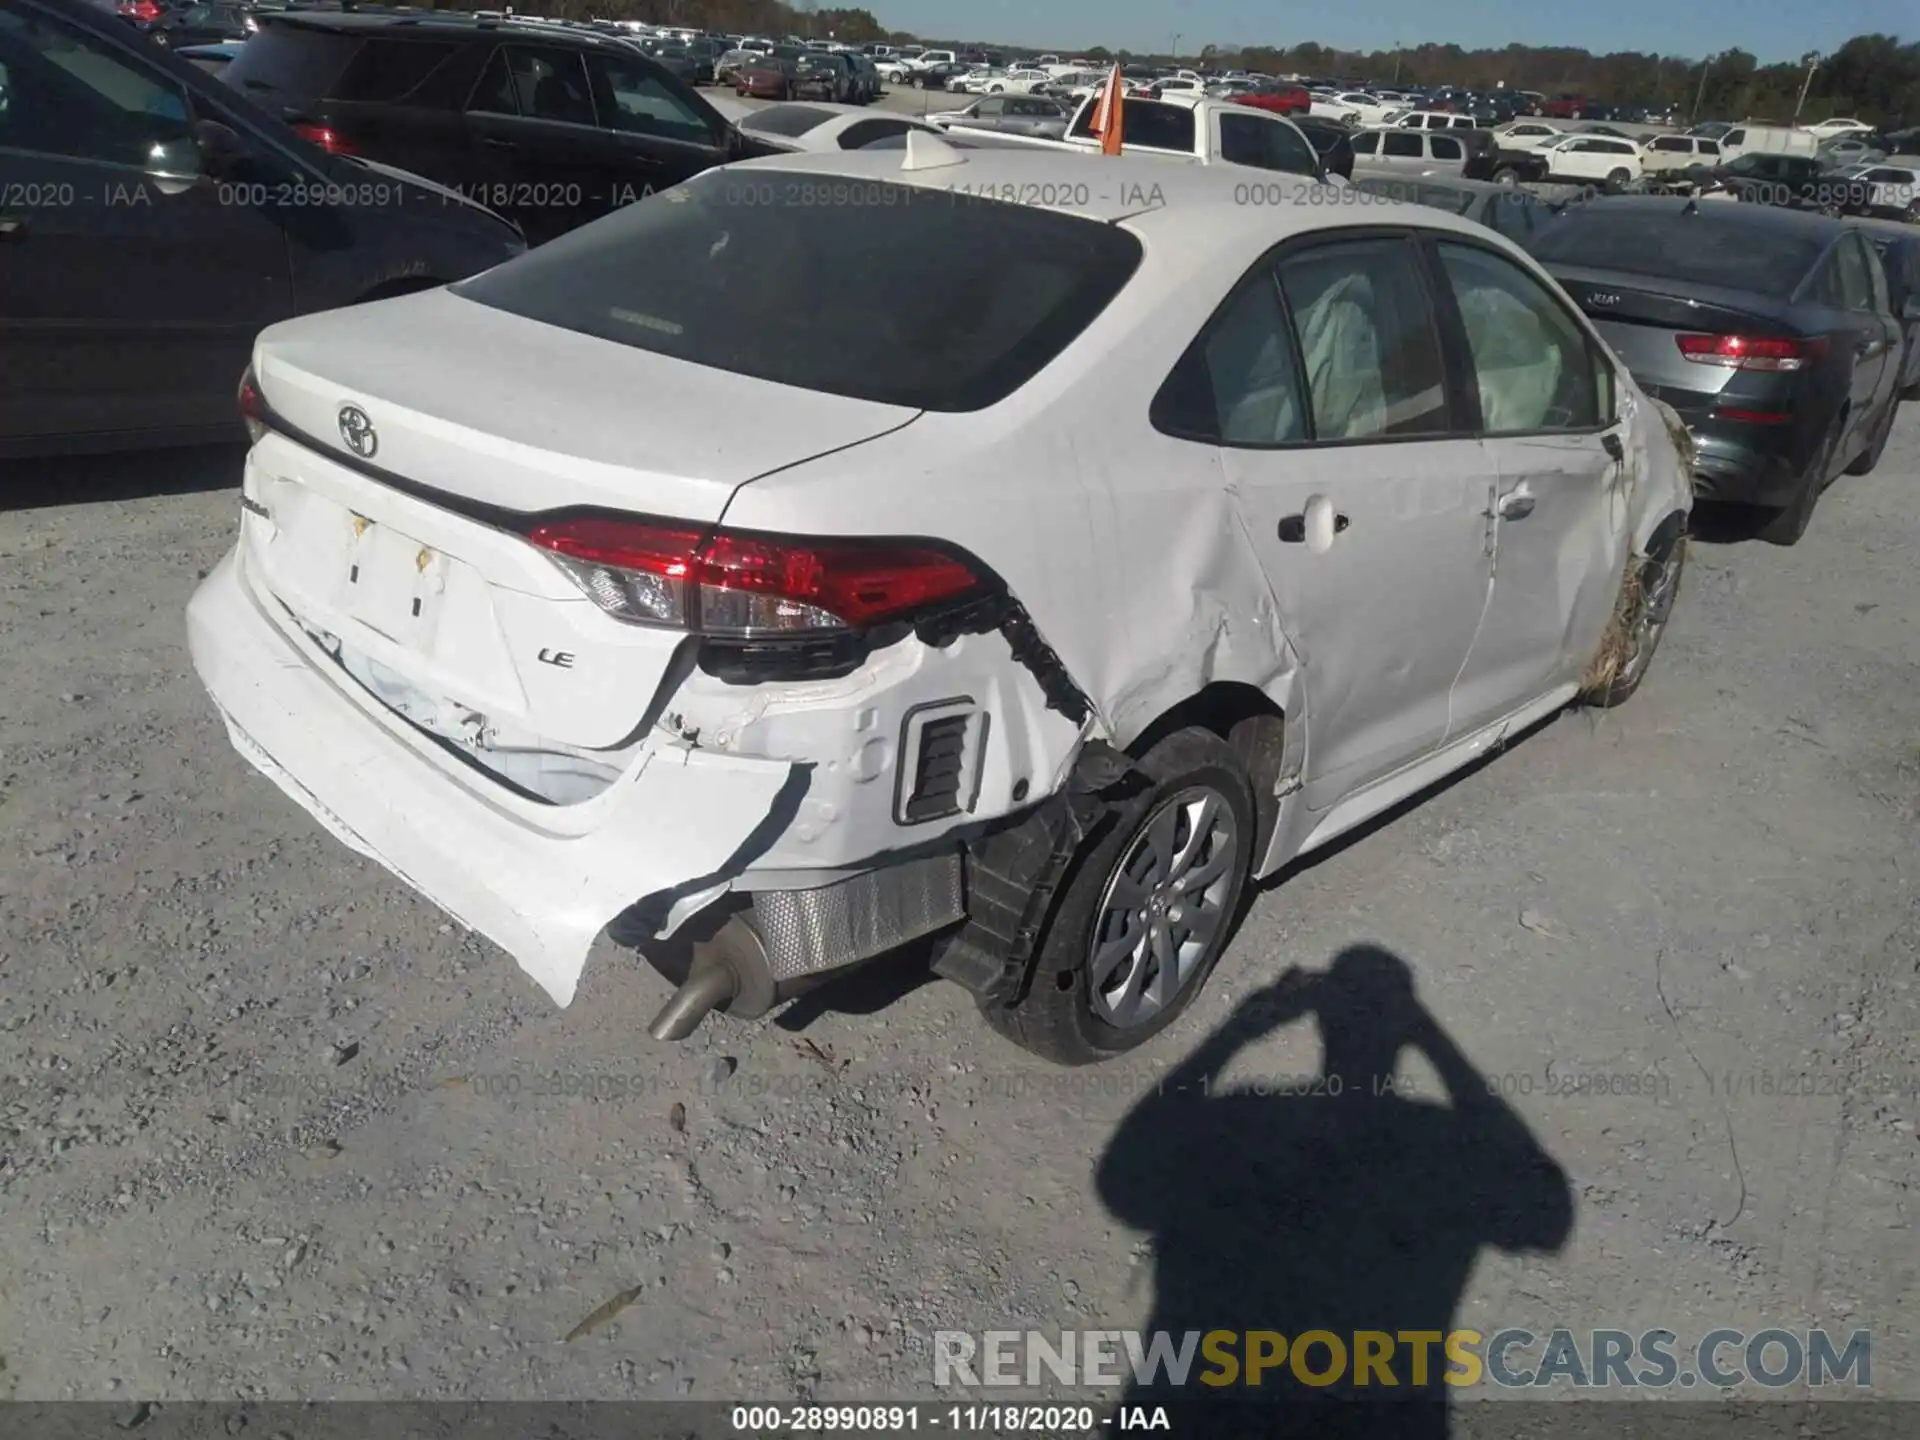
column 1771, row 29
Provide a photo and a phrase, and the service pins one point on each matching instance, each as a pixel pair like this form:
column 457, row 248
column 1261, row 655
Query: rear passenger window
column 494, row 94
column 1445, row 147
column 1856, row 286
column 1404, row 146
column 1367, row 338
column 1366, row 144
column 1239, row 383
column 1533, row 364
column 387, row 70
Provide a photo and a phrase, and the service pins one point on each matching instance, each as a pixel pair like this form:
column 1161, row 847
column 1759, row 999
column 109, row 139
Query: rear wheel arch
column 1254, row 727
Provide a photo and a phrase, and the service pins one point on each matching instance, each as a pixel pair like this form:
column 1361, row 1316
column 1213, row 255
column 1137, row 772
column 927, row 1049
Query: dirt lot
column 272, row 1127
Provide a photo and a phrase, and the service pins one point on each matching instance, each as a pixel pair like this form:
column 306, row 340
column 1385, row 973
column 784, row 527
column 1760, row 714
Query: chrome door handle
column 1516, row 504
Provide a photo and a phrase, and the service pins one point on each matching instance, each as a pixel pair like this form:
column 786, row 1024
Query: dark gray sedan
column 1011, row 114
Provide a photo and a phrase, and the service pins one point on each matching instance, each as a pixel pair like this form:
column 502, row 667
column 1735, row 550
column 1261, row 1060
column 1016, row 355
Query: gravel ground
column 271, row 1127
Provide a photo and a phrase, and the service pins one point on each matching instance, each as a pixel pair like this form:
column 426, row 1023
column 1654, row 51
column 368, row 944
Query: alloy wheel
column 1164, row 908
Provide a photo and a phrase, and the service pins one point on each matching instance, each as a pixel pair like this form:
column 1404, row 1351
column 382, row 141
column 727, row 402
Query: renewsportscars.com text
column 1411, row 1359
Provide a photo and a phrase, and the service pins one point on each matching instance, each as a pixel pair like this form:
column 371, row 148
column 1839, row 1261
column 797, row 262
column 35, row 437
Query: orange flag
column 1107, row 116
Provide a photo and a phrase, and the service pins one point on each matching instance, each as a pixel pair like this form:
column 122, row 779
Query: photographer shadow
column 1339, row 1204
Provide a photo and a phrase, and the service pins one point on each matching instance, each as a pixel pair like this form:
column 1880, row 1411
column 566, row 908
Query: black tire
column 1056, row 1018
column 1658, row 589
column 1864, row 462
column 1790, row 523
column 1618, row 180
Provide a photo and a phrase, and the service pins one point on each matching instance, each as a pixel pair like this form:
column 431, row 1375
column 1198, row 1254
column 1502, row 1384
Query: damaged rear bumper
column 540, row 881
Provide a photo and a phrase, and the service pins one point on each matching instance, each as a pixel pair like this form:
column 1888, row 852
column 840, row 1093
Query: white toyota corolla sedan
column 1024, row 550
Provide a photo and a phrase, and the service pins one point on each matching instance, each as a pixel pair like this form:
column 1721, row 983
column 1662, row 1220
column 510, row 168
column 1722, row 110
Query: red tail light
column 1750, row 352
column 325, row 137
column 253, row 407
column 1753, row 417
column 716, row 583
column 145, row 11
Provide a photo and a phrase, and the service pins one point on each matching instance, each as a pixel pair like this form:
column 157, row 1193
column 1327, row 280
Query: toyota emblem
column 357, row 432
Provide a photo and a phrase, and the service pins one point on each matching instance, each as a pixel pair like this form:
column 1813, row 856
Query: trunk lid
column 1640, row 317
column 402, row 556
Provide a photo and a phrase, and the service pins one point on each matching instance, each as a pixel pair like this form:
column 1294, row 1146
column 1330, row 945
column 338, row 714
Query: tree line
column 1873, row 77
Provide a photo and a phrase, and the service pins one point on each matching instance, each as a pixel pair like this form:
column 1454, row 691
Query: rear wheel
column 1147, row 907
column 1507, row 175
column 1619, row 179
column 1864, row 462
column 1790, row 523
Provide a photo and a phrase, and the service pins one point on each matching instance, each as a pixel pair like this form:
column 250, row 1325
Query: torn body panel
column 541, row 881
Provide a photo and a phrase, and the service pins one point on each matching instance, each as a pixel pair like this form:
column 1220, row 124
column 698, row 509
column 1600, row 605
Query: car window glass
column 707, row 272
column 1145, row 123
column 1402, row 145
column 1735, row 137
column 384, row 70
column 67, row 94
column 1367, row 337
column 1878, row 277
column 494, row 95
column 1253, row 381
column 994, row 106
column 863, row 134
column 290, row 61
column 1366, row 144
column 1532, row 362
column 643, row 105
column 1850, row 268
column 1241, row 140
column 550, row 85
column 1445, row 147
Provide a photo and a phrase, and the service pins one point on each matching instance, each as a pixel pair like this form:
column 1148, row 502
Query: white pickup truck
column 1196, row 129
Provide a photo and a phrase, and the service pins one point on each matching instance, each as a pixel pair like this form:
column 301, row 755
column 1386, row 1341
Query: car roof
column 440, row 22
column 1807, row 223
column 1187, row 205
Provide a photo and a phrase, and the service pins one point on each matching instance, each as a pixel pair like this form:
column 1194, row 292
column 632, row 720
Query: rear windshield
column 788, row 120
column 906, row 296
column 1145, row 122
column 387, row 69
column 290, row 60
column 1701, row 248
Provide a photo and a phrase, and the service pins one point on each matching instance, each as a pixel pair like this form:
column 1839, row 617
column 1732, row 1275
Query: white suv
column 776, row 583
column 1594, row 160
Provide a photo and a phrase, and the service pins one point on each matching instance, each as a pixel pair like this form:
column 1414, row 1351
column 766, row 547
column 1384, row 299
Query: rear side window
column 1367, row 338
column 1145, row 122
column 950, row 306
column 1704, row 248
column 291, row 61
column 1856, row 285
column 384, row 70
column 1445, row 147
column 1404, row 146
